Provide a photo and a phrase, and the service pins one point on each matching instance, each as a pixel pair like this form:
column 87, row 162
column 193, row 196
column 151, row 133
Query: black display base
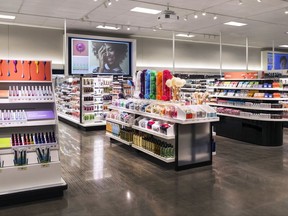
column 90, row 128
column 32, row 195
column 190, row 166
column 264, row 133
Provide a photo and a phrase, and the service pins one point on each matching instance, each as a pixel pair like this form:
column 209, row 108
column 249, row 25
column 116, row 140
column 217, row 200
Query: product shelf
column 250, row 98
column 246, row 107
column 29, row 124
column 247, row 88
column 119, row 122
column 251, row 118
column 161, row 135
column 166, row 160
column 118, row 138
column 151, row 115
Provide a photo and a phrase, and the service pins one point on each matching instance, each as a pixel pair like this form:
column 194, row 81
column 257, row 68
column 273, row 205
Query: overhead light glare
column 283, row 46
column 145, row 10
column 185, row 35
column 109, row 3
column 204, row 13
column 107, row 27
column 2, row 16
column 232, row 23
column 259, row 1
column 195, row 16
column 215, row 17
column 286, row 11
column 186, row 18
column 240, row 2
column 128, row 28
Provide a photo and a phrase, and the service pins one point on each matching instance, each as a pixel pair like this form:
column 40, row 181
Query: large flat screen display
column 280, row 61
column 99, row 56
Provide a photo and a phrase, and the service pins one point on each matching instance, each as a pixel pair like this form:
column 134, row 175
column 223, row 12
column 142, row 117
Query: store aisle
column 106, row 179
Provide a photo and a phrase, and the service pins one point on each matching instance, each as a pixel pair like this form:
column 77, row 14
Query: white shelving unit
column 252, row 118
column 118, row 122
column 250, row 98
column 25, row 173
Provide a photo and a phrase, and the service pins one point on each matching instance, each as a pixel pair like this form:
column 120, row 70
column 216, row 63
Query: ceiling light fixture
column 154, row 29
column 204, row 13
column 2, row 16
column 95, row 0
column 195, row 16
column 145, row 10
column 160, row 26
column 240, row 2
column 215, row 17
column 232, row 23
column 186, row 18
column 107, row 27
column 109, row 3
column 283, row 46
column 128, row 28
column 185, row 35
column 286, row 11
column 259, row 1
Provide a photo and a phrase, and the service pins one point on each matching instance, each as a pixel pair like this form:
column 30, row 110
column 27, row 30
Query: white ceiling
column 266, row 20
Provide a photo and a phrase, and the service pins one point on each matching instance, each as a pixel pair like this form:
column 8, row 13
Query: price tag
column 45, row 165
column 22, row 168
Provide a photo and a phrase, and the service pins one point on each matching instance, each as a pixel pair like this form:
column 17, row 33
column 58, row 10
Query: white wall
column 31, row 43
column 157, row 53
column 47, row 44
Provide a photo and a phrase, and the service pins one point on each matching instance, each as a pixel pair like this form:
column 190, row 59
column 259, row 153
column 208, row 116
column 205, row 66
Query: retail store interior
column 141, row 107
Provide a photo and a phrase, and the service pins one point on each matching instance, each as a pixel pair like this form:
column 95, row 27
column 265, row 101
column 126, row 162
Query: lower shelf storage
column 112, row 136
column 166, row 160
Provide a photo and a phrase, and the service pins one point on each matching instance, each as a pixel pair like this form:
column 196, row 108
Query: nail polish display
column 12, row 116
column 30, row 93
column 33, row 138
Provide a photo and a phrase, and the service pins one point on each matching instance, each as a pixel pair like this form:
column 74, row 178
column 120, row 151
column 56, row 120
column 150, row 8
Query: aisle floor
column 104, row 179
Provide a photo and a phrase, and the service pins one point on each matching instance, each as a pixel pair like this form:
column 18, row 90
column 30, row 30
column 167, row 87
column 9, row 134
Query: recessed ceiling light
column 259, row 1
column 186, row 18
column 107, row 27
column 240, row 2
column 128, row 28
column 232, row 23
column 215, row 17
column 2, row 16
column 283, row 46
column 204, row 13
column 95, row 0
column 185, row 35
column 195, row 16
column 154, row 29
column 286, row 11
column 109, row 3
column 145, row 10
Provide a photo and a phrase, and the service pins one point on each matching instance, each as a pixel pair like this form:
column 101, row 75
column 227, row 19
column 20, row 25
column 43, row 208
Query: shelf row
column 166, row 160
column 246, row 88
column 249, row 98
column 151, row 115
column 149, row 131
column 248, row 107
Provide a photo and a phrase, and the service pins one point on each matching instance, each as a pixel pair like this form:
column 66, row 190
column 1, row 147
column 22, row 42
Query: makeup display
column 29, row 147
column 157, row 127
column 251, row 103
column 84, row 101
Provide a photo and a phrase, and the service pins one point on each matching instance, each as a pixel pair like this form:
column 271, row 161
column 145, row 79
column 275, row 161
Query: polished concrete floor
column 104, row 179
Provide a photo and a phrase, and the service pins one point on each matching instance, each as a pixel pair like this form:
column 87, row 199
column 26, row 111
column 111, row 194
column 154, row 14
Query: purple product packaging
column 40, row 115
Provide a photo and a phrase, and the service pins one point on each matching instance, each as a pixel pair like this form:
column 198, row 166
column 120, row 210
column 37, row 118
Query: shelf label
column 22, row 168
